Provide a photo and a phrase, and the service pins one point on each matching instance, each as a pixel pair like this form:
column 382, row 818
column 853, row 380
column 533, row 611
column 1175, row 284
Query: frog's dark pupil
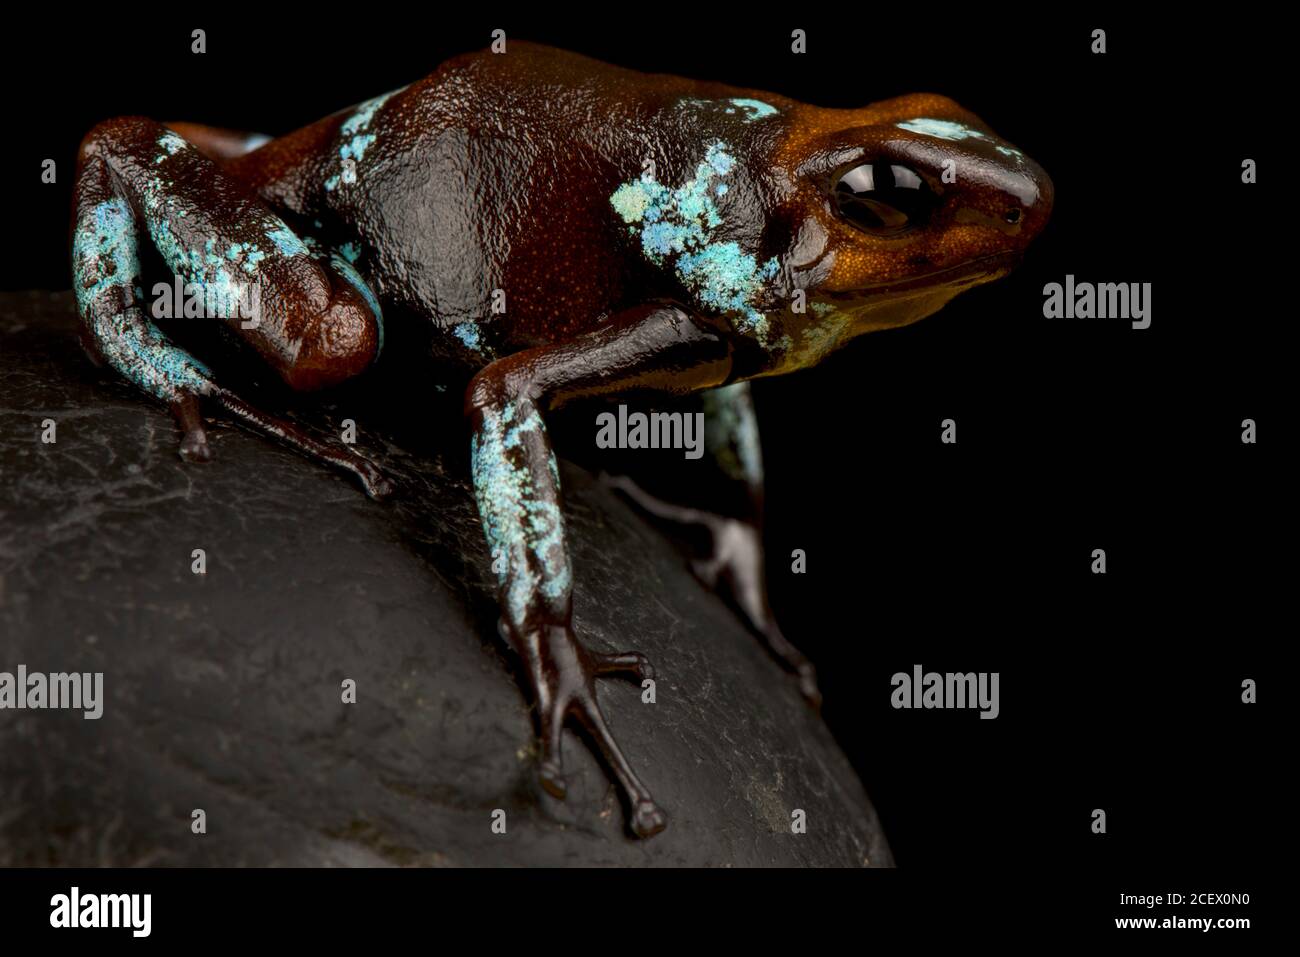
column 882, row 198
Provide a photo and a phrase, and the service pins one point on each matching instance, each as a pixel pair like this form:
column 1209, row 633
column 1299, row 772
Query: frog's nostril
column 1012, row 215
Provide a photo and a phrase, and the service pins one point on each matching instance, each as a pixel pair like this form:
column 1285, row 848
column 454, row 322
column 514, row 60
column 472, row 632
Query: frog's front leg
column 736, row 560
column 517, row 486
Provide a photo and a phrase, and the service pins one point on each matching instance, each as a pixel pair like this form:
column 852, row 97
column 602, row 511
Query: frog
column 562, row 230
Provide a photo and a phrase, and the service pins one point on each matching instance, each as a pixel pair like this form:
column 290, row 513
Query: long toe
column 808, row 686
column 624, row 662
column 648, row 819
column 551, row 776
column 194, row 447
column 376, row 483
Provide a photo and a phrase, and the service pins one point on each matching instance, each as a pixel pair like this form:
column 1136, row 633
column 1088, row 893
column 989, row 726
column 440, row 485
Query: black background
column 1119, row 691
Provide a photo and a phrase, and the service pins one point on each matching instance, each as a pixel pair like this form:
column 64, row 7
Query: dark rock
column 222, row 692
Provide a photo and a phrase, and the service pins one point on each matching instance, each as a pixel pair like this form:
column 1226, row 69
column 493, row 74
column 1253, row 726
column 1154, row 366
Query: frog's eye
column 882, row 198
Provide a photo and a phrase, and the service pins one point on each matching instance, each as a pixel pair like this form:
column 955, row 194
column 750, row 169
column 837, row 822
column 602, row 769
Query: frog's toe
column 376, row 483
column 563, row 674
column 707, row 571
column 808, row 685
column 194, row 446
column 551, row 775
column 623, row 663
column 792, row 659
column 648, row 819
column 372, row 479
column 550, row 770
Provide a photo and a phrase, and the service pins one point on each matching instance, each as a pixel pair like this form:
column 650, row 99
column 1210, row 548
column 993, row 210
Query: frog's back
column 478, row 197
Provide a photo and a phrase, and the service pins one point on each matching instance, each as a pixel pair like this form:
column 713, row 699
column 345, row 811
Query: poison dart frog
column 648, row 232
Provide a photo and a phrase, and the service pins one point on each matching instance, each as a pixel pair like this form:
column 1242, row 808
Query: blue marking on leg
column 287, row 241
column 349, row 272
column 104, row 258
column 103, row 252
column 522, row 523
column 137, row 348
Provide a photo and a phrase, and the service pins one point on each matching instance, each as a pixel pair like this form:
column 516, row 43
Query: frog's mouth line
column 970, row 273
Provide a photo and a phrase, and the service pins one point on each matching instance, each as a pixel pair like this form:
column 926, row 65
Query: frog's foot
column 563, row 675
column 194, row 439
column 736, row 562
column 372, row 479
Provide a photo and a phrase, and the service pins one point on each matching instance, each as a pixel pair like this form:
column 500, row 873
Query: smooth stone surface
column 222, row 692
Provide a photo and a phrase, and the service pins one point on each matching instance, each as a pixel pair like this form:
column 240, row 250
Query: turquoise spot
column 631, row 200
column 361, row 117
column 286, row 241
column 223, row 296
column 522, row 524
column 104, row 257
column 467, row 332
column 103, row 252
column 137, row 349
column 357, row 148
column 246, row 253
column 732, row 431
column 943, row 129
column 753, row 109
column 719, row 159
column 757, row 108
column 354, row 278
column 681, row 223
column 949, row 130
column 352, row 151
column 724, row 277
column 170, row 142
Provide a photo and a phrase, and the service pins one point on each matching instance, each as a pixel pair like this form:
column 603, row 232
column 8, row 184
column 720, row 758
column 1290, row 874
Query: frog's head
column 888, row 212
column 805, row 227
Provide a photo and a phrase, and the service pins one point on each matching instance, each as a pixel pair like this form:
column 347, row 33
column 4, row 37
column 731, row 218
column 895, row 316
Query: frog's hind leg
column 311, row 317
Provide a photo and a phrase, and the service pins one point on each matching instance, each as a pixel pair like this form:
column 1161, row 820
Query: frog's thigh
column 309, row 315
column 515, row 477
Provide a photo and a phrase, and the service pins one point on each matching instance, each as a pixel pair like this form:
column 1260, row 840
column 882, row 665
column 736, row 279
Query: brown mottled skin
column 498, row 172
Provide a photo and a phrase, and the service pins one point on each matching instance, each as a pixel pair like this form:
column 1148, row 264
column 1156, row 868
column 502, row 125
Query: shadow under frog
column 644, row 233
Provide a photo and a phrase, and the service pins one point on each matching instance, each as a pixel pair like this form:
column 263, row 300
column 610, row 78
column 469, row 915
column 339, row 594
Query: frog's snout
column 1026, row 198
column 979, row 178
column 1010, row 194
